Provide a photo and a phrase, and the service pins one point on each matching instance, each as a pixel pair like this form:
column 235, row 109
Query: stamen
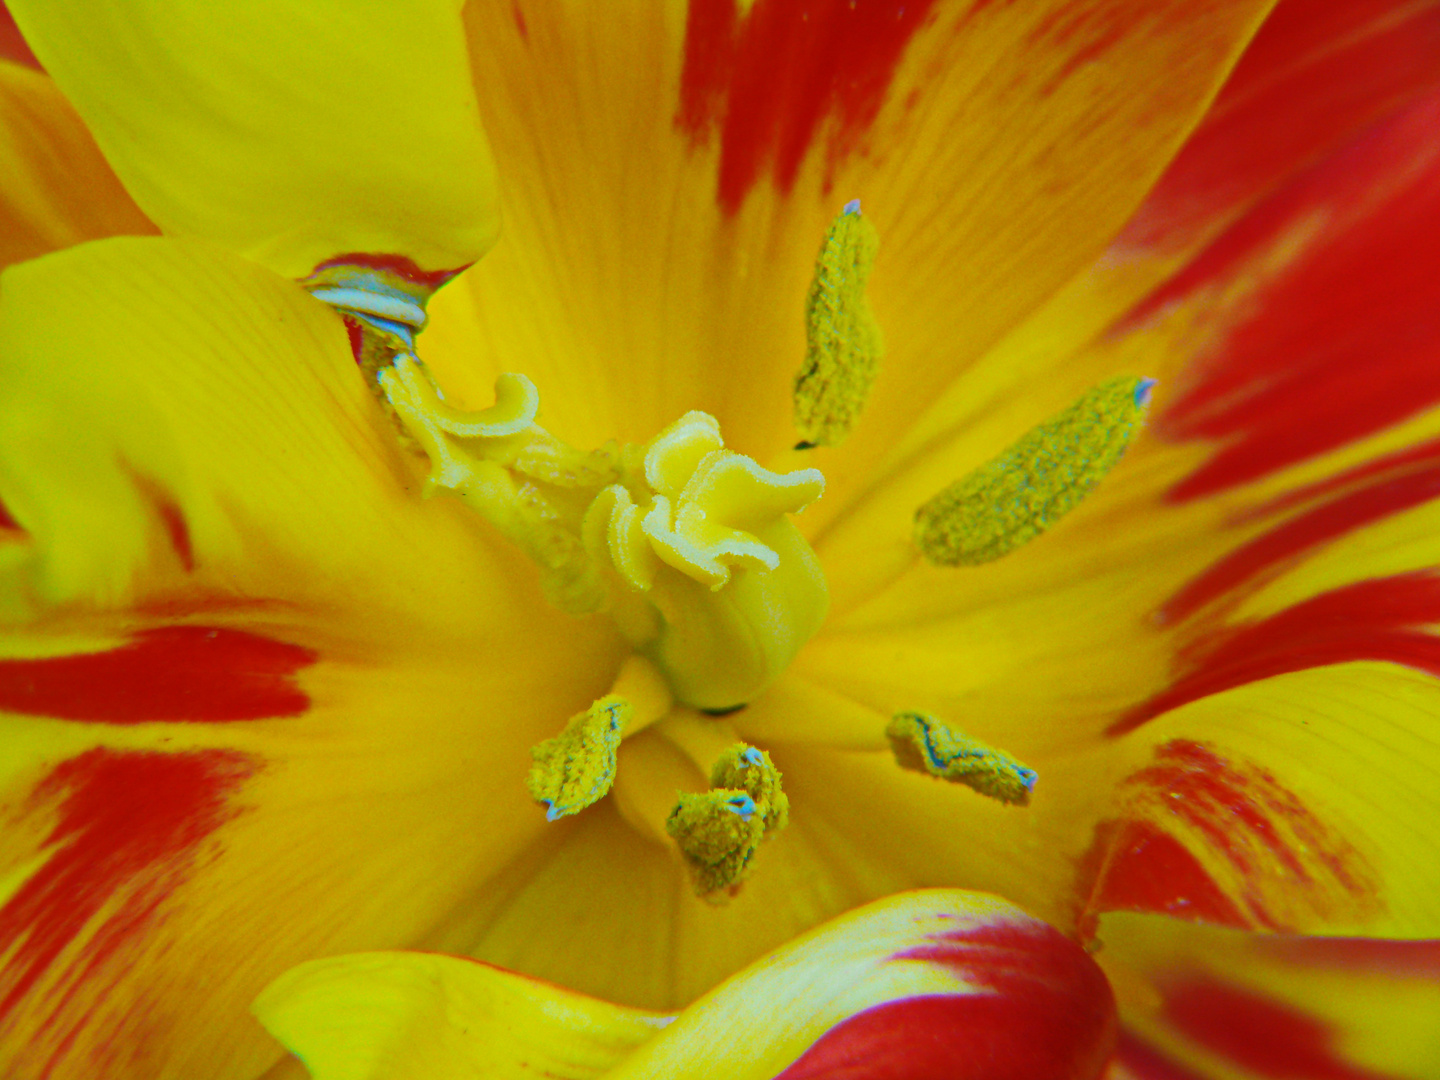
column 720, row 830
column 576, row 768
column 923, row 744
column 750, row 769
column 843, row 349
column 1009, row 501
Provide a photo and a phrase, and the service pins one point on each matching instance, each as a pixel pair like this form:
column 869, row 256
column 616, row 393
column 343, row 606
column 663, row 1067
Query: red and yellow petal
column 1307, row 84
column 675, row 169
column 58, row 190
column 1299, row 804
column 932, row 984
column 258, row 700
column 1356, row 138
column 1296, row 804
column 1201, row 1002
column 157, row 873
column 289, row 134
column 1277, row 517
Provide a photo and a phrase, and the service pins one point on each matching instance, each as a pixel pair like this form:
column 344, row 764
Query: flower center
column 689, row 548
column 688, row 545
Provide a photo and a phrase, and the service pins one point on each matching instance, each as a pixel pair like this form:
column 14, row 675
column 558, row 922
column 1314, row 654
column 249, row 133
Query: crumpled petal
column 923, row 985
column 291, row 133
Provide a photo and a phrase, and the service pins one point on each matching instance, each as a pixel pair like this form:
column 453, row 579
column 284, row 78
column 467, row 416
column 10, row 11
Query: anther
column 576, row 768
column 1009, row 501
column 720, row 830
column 843, row 346
column 924, row 744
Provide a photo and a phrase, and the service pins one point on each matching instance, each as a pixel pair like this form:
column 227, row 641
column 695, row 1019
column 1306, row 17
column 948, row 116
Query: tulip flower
column 886, row 447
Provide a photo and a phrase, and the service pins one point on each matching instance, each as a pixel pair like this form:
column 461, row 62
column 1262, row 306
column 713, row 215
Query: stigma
column 688, row 545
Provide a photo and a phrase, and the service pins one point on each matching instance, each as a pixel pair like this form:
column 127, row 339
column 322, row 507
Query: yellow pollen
column 577, row 767
column 923, row 744
column 843, row 349
column 1009, row 501
column 720, row 830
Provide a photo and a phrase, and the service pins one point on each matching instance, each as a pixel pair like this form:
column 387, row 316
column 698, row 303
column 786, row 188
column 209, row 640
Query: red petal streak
column 1045, row 1011
column 1219, row 840
column 12, row 44
column 1390, row 492
column 1261, row 1035
column 1343, row 339
column 1380, row 619
column 1314, row 76
column 1136, row 866
column 356, row 336
column 1402, row 959
column 1144, row 1062
column 128, row 828
column 399, row 265
column 176, row 673
column 770, row 80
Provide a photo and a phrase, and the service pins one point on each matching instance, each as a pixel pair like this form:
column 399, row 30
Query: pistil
column 681, row 527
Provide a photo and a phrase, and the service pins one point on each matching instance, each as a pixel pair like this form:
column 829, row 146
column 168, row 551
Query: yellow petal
column 610, row 909
column 389, row 1016
column 289, row 134
column 877, row 822
column 1294, row 804
column 177, row 420
column 58, row 190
